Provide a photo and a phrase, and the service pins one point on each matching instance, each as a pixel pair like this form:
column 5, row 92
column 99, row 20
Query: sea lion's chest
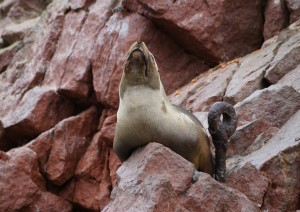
column 145, row 114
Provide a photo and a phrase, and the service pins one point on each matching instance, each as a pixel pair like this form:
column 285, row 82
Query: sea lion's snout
column 137, row 56
column 140, row 67
column 137, row 63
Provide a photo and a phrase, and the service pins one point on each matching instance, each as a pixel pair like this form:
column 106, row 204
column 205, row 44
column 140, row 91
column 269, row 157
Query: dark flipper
column 220, row 132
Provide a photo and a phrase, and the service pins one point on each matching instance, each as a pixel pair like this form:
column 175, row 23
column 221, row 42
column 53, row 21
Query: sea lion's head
column 140, row 68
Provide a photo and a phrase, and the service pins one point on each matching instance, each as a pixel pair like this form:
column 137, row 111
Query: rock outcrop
column 60, row 66
column 155, row 178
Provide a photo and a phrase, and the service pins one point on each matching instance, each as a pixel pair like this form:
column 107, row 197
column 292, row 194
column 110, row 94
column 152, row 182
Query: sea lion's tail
column 221, row 130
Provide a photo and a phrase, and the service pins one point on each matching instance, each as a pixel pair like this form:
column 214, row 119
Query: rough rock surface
column 60, row 66
column 175, row 65
column 20, row 176
column 208, row 29
column 155, row 178
column 278, row 160
column 276, row 18
column 294, row 8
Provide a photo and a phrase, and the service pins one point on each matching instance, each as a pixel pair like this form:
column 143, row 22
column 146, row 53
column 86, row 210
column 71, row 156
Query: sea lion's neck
column 127, row 83
column 142, row 95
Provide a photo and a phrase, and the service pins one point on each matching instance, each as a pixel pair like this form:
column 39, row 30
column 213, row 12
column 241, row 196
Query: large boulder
column 22, row 185
column 176, row 66
column 208, row 29
column 274, row 168
column 155, row 178
column 276, row 17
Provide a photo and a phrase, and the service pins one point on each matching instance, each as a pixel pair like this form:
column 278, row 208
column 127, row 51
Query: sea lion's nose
column 139, row 43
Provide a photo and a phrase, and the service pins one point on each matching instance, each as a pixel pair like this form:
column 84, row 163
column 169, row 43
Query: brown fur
column 145, row 114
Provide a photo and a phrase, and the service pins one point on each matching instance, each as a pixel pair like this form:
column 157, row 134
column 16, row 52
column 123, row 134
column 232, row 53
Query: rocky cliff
column 60, row 66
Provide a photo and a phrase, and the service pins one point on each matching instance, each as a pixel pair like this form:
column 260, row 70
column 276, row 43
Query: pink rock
column 19, row 177
column 157, row 159
column 22, row 185
column 31, row 116
column 49, row 202
column 250, row 74
column 146, row 182
column 294, row 8
column 176, row 66
column 292, row 79
column 12, row 195
column 7, row 54
column 26, row 71
column 250, row 181
column 208, row 194
column 20, row 9
column 206, row 89
column 95, row 172
column 68, row 38
column 246, row 136
column 42, row 146
column 279, row 161
column 209, row 30
column 276, row 18
column 76, row 81
column 274, row 105
column 17, row 31
column 78, row 4
column 154, row 193
column 70, row 140
column 285, row 60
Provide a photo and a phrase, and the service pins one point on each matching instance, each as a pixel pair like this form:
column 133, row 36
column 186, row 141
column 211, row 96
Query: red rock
column 249, row 76
column 95, row 172
column 285, row 60
column 31, row 116
column 26, row 71
column 279, row 160
column 49, row 202
column 249, row 181
column 20, row 9
column 146, row 182
column 155, row 193
column 157, row 159
column 176, row 66
column 206, row 89
column 17, row 31
column 42, row 146
column 23, row 187
column 70, row 140
column 209, row 30
column 71, row 28
column 18, row 177
column 209, row 195
column 250, row 137
column 294, row 8
column 292, row 79
column 7, row 54
column 77, row 78
column 78, row 4
column 92, row 188
column 283, row 171
column 274, row 105
column 276, row 18
column 261, row 140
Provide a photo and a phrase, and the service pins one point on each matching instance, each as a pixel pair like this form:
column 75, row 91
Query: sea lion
column 146, row 115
